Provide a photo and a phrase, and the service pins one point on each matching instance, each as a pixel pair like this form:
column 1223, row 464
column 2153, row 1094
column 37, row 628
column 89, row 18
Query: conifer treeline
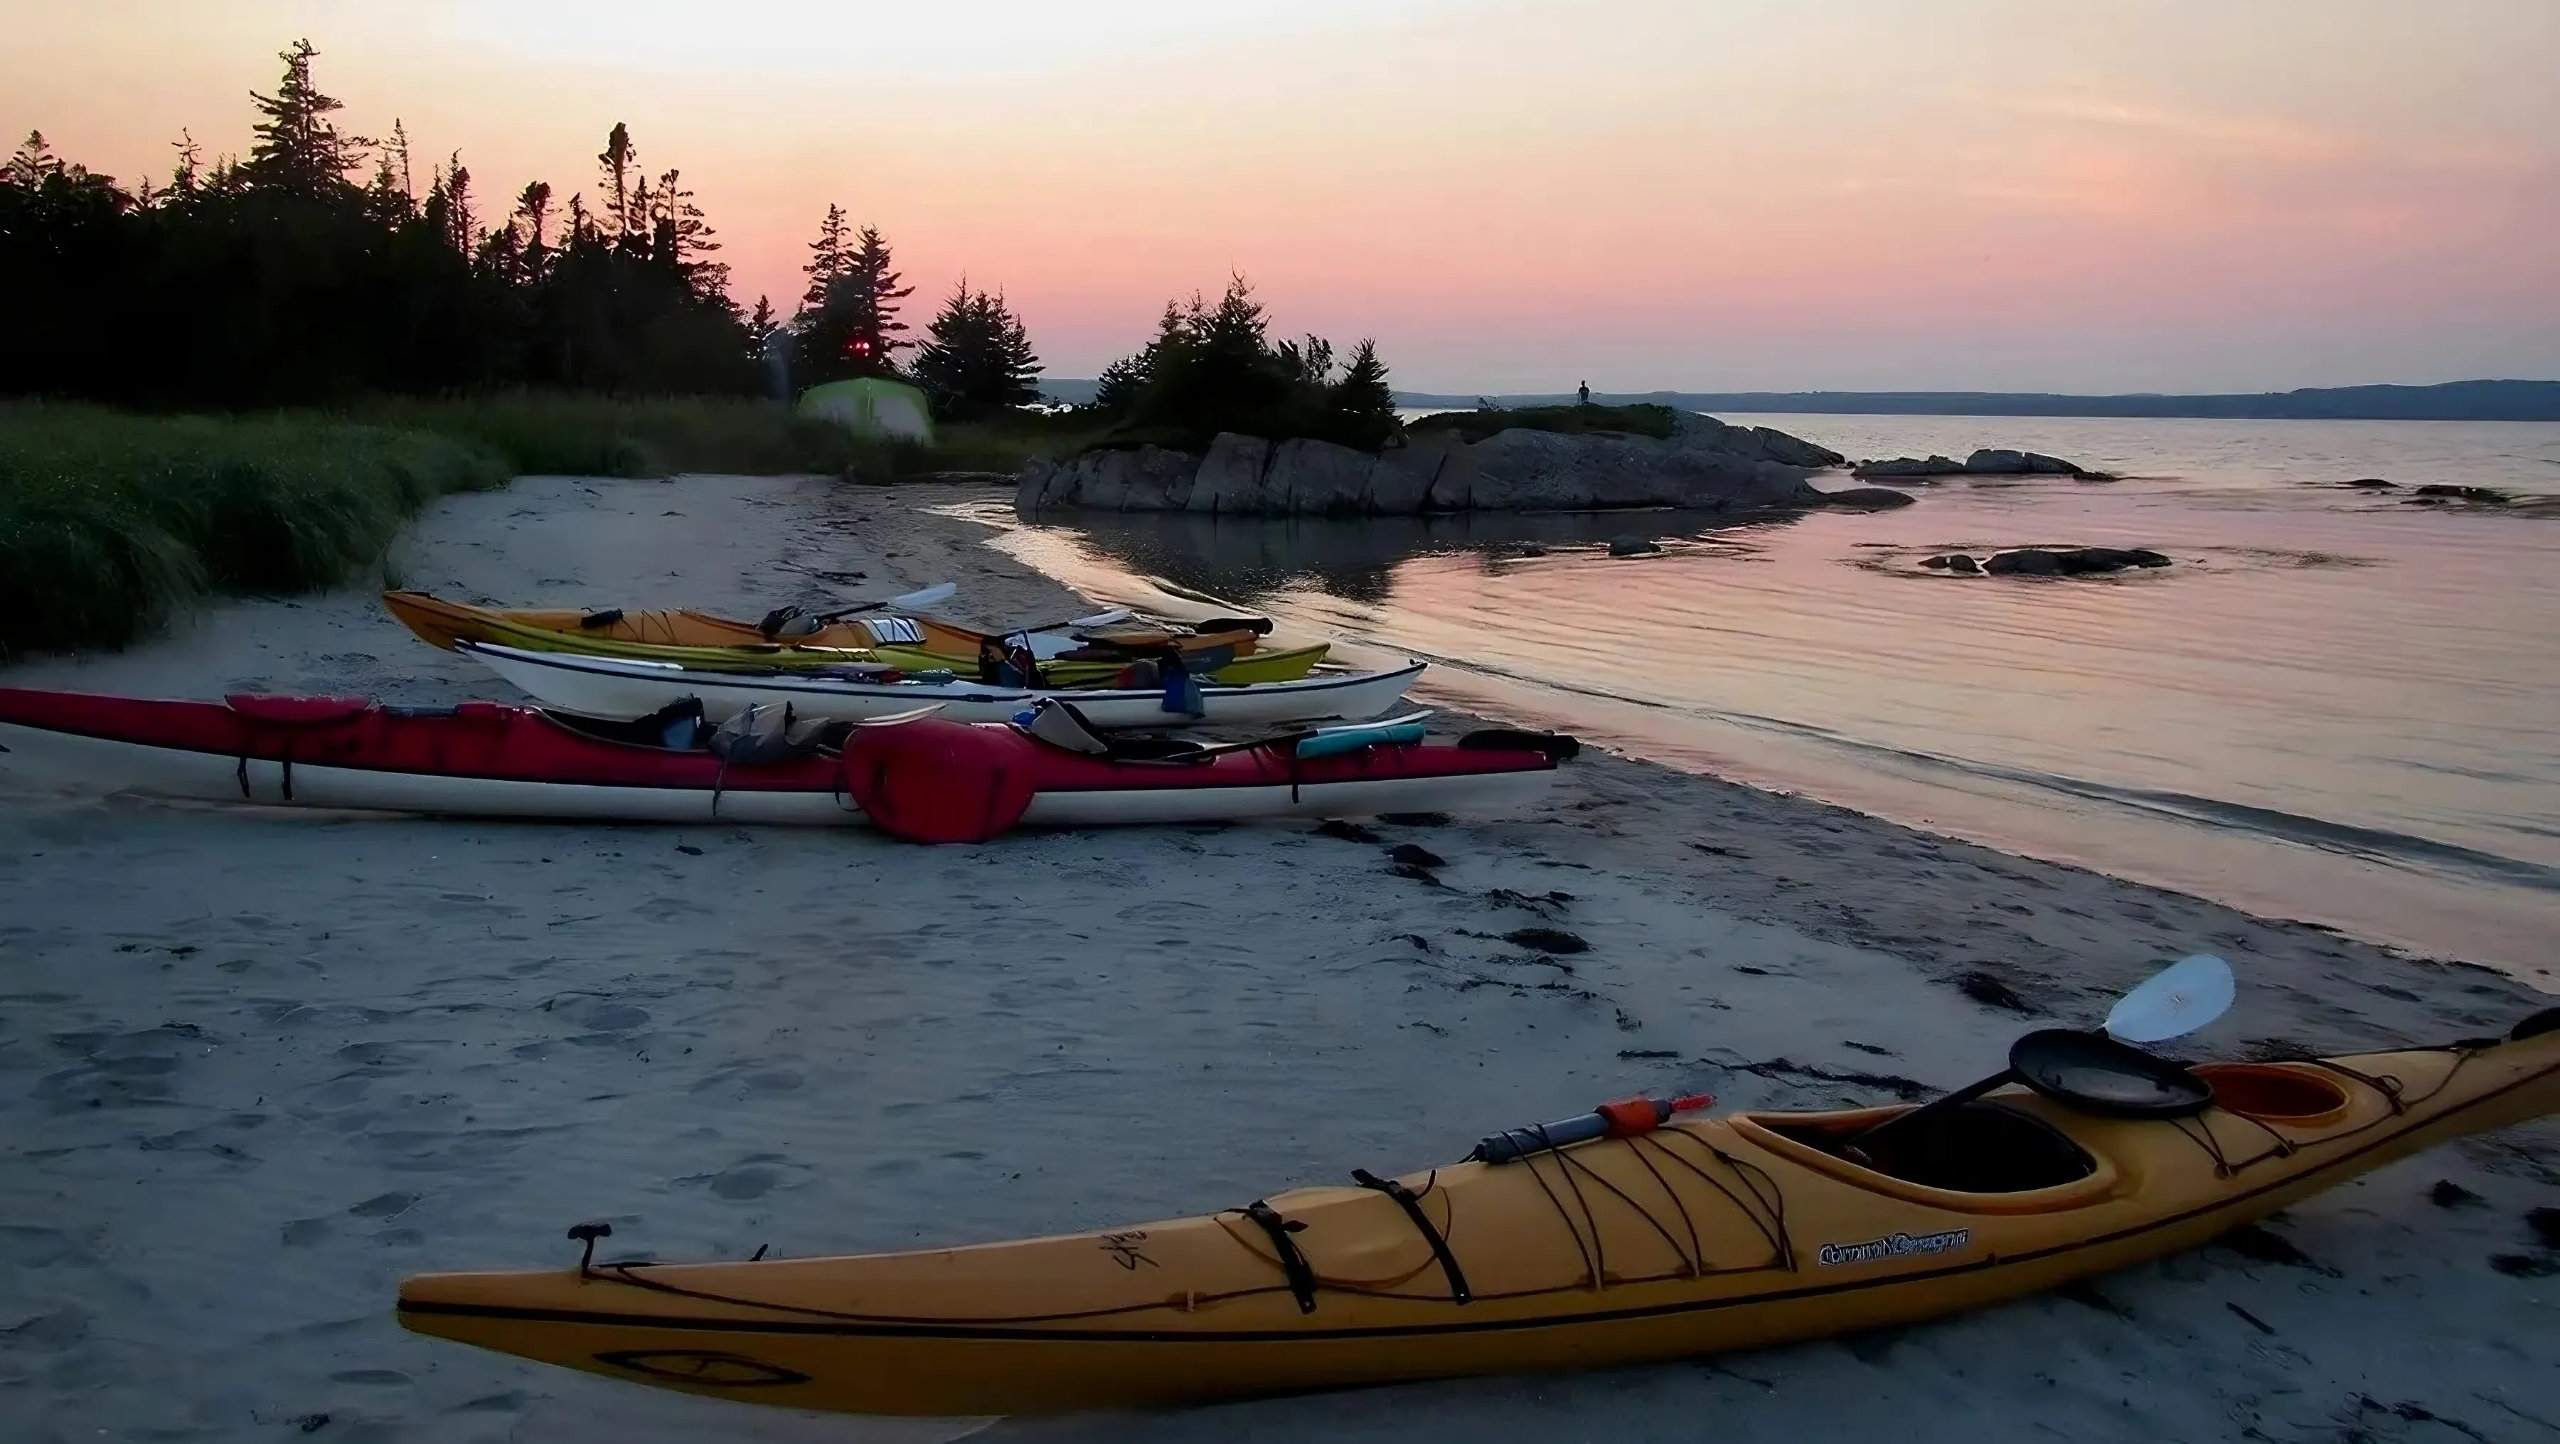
column 283, row 278
column 315, row 270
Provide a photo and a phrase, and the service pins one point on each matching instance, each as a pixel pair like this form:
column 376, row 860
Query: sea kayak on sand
column 1687, row 1238
column 625, row 688
column 919, row 778
column 707, row 643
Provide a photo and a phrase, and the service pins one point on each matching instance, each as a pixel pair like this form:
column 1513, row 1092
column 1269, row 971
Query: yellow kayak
column 1670, row 1241
column 719, row 645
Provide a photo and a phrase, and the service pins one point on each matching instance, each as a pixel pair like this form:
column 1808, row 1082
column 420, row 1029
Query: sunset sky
column 1693, row 194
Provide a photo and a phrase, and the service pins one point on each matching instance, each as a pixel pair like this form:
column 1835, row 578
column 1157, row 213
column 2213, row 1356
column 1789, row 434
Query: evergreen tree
column 299, row 151
column 448, row 208
column 389, row 197
column 185, row 175
column 852, row 329
column 1364, row 401
column 680, row 236
column 977, row 356
column 619, row 164
column 530, row 226
column 1310, row 363
column 875, row 297
column 1212, row 368
column 827, row 255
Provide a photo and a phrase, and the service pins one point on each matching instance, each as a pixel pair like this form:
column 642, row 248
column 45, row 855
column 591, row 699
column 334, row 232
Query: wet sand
column 255, row 1067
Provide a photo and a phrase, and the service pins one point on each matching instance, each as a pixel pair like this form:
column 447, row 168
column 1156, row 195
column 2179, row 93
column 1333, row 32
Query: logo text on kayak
column 1894, row 1245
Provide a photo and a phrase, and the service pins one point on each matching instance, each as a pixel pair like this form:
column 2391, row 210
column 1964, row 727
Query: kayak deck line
column 1018, row 1330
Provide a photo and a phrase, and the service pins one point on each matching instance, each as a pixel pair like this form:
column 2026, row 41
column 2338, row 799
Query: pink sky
column 1695, row 194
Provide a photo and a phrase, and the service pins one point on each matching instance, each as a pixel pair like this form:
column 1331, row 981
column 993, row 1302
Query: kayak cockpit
column 1985, row 1157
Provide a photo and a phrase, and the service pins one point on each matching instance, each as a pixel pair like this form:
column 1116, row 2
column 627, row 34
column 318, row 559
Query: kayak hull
column 616, row 688
column 207, row 777
column 1696, row 1239
column 702, row 642
column 488, row 760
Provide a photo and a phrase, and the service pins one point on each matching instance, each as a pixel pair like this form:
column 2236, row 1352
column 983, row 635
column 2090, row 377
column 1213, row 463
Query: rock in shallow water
column 2071, row 561
column 2439, row 491
column 1989, row 461
column 1867, row 498
column 1633, row 546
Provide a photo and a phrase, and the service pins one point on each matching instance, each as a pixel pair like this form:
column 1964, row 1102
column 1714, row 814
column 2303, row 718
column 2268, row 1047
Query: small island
column 1214, row 418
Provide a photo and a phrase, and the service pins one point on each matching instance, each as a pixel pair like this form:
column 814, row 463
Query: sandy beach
column 257, row 1066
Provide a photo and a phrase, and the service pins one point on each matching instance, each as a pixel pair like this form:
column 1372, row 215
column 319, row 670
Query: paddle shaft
column 1935, row 1108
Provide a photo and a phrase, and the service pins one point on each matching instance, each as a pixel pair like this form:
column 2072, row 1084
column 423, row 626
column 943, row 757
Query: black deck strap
column 242, row 772
column 1302, row 1279
column 288, row 774
column 2388, row 1087
column 1411, row 1203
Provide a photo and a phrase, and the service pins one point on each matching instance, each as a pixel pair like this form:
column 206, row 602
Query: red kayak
column 919, row 777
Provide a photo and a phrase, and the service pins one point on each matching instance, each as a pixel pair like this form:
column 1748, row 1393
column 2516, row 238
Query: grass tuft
column 110, row 522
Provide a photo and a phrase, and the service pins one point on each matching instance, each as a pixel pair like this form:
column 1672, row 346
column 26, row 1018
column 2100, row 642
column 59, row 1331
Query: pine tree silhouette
column 827, row 257
column 298, row 150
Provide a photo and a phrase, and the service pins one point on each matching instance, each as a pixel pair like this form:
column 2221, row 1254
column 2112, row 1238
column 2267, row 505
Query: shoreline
column 2065, row 722
column 303, row 1056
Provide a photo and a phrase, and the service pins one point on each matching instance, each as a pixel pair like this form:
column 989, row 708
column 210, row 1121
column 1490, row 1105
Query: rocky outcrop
column 1144, row 478
column 1229, row 478
column 1703, row 465
column 1990, row 461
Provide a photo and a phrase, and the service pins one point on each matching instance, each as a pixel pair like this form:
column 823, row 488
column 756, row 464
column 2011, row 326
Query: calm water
column 2334, row 706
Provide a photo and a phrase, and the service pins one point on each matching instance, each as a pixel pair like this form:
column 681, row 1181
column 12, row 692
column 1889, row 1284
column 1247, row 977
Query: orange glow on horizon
column 1723, row 194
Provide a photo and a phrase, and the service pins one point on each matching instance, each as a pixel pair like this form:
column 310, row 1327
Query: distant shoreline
column 2450, row 401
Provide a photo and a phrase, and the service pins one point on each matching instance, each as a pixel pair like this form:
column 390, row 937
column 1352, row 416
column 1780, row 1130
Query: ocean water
column 2335, row 706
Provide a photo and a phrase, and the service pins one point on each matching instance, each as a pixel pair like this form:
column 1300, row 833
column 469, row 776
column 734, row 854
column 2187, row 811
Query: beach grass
column 111, row 522
column 1641, row 419
column 560, row 434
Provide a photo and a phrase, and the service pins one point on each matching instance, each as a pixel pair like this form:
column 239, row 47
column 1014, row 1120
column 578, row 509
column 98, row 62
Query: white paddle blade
column 2175, row 1001
column 915, row 601
column 1104, row 619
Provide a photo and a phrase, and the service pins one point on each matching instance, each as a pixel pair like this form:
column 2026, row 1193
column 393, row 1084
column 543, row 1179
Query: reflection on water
column 2333, row 706
column 1354, row 560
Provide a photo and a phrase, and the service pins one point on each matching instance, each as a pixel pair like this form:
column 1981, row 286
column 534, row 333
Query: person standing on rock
column 1586, row 394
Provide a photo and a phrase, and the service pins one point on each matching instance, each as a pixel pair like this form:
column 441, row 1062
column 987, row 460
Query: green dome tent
column 871, row 406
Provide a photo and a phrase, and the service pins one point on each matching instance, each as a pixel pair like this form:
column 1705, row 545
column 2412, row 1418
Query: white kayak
column 623, row 688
